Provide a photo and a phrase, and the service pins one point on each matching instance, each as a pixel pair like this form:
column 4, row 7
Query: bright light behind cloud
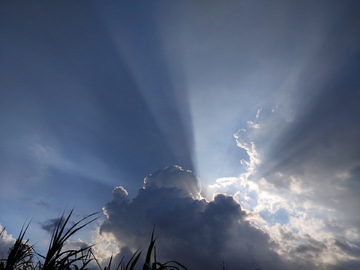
column 232, row 125
column 290, row 205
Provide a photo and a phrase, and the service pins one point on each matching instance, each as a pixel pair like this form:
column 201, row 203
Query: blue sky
column 258, row 99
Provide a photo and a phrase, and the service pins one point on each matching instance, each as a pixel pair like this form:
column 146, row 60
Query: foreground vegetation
column 22, row 255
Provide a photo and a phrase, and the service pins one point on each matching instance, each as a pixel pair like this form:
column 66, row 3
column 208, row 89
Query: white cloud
column 300, row 201
column 193, row 231
column 253, row 125
column 295, row 203
column 105, row 245
column 6, row 241
column 175, row 176
column 258, row 113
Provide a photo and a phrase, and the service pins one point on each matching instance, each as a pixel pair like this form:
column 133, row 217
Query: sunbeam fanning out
column 167, row 100
column 229, row 129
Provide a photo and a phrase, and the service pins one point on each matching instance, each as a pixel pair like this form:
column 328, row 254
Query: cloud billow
column 175, row 176
column 198, row 233
column 6, row 241
column 301, row 185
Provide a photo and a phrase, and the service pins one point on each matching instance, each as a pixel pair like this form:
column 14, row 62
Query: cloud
column 351, row 249
column 51, row 224
column 75, row 245
column 175, row 176
column 304, row 194
column 196, row 232
column 308, row 249
column 6, row 241
column 312, row 248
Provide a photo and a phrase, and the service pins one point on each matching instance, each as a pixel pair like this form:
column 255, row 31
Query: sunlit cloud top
column 233, row 124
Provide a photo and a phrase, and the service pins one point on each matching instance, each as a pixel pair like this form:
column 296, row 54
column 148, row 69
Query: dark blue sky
column 67, row 85
column 259, row 99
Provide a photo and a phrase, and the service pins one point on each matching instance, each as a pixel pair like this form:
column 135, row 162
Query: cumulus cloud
column 301, row 193
column 76, row 244
column 196, row 232
column 6, row 241
column 298, row 198
column 174, row 176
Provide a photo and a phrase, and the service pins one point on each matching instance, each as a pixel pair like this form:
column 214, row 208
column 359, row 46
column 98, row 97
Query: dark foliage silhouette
column 22, row 255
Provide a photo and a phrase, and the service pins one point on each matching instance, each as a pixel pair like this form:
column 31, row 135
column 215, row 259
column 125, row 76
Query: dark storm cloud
column 197, row 233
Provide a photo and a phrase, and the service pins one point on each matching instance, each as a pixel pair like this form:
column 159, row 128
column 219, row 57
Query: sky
column 231, row 125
